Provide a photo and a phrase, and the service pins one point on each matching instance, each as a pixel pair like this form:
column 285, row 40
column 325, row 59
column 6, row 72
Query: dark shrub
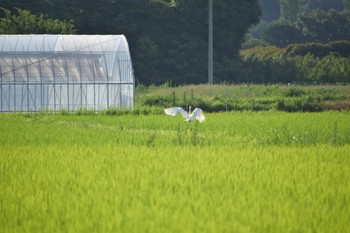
column 295, row 92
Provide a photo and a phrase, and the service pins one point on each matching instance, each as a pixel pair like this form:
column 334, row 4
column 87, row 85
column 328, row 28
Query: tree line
column 304, row 63
column 301, row 21
column 168, row 39
column 307, row 41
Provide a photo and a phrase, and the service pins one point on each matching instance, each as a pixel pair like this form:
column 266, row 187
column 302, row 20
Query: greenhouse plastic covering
column 65, row 72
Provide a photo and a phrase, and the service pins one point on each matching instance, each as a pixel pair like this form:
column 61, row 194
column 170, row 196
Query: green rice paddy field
column 237, row 172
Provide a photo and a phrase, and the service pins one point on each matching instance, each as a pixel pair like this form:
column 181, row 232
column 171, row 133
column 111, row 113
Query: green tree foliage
column 324, row 5
column 303, row 21
column 283, row 33
column 318, row 26
column 267, row 64
column 271, row 9
column 26, row 23
column 324, row 26
column 346, row 5
column 329, row 69
column 289, row 10
column 319, row 50
column 34, row 6
column 168, row 38
column 273, row 64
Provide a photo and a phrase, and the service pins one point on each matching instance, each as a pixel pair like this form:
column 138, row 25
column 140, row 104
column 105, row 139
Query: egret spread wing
column 175, row 110
column 198, row 114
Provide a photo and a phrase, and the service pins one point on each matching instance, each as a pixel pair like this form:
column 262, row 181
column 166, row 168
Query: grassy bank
column 216, row 98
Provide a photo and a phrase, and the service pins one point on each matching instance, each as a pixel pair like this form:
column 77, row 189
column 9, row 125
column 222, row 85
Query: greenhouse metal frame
column 65, row 72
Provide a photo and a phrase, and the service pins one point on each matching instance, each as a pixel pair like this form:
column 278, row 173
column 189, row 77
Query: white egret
column 196, row 115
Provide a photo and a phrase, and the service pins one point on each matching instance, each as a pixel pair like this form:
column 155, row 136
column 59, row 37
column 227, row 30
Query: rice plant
column 237, row 172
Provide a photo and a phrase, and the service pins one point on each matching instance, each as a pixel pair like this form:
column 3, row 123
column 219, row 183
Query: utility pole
column 210, row 44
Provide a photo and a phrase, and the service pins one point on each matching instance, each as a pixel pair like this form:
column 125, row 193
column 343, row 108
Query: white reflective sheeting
column 62, row 96
column 55, row 72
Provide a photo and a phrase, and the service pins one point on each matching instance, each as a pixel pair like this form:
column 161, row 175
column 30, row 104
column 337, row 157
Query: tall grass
column 237, row 172
column 247, row 97
column 253, row 128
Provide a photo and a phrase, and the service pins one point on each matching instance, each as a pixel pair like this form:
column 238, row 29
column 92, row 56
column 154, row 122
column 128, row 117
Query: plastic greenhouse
column 70, row 72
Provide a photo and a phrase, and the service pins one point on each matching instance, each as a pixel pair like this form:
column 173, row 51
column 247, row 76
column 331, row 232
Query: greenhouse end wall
column 65, row 72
